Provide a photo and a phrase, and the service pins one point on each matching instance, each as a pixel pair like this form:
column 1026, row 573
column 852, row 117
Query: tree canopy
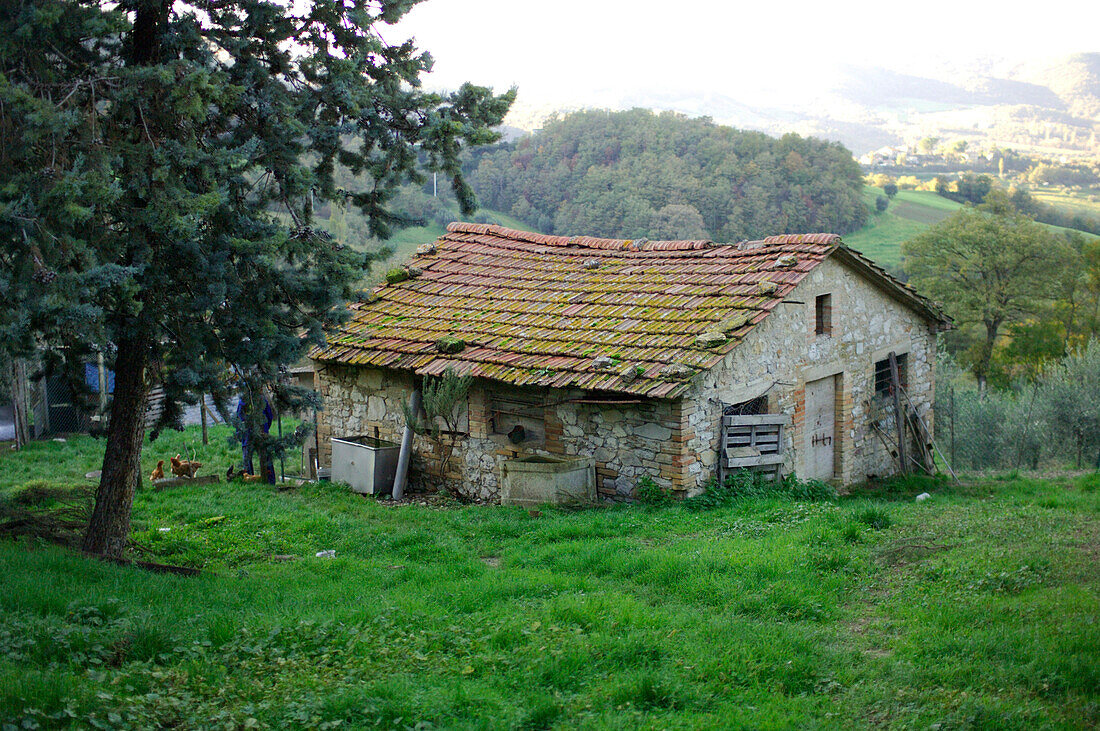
column 160, row 162
column 616, row 174
column 990, row 266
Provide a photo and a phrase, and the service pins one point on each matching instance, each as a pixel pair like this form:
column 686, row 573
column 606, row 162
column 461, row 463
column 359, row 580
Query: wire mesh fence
column 1051, row 422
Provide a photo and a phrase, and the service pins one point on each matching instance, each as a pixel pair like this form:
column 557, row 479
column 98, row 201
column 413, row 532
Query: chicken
column 177, row 466
column 158, row 472
column 183, row 467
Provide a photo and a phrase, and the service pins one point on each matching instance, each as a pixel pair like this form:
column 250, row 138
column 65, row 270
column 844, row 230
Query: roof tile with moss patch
column 540, row 310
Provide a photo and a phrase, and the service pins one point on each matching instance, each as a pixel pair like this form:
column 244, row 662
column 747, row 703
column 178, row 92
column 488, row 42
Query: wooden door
column 820, row 461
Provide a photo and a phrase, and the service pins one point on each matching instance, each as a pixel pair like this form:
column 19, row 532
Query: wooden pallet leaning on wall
column 752, row 442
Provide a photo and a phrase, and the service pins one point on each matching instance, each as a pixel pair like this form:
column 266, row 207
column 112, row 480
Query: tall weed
column 745, row 484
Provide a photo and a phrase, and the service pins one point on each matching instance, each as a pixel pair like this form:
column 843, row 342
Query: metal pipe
column 316, row 445
column 282, row 457
column 405, row 455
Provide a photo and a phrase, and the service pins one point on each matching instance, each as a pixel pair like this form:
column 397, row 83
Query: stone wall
column 674, row 442
column 628, row 439
column 783, row 353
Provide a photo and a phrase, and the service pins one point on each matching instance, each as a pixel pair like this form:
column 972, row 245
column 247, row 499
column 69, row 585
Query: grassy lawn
column 66, row 462
column 974, row 609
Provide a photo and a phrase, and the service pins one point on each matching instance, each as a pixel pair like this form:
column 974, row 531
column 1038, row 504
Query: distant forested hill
column 639, row 174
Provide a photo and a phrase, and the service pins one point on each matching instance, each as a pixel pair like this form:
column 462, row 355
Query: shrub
column 875, row 518
column 1071, row 401
column 648, row 492
column 1055, row 419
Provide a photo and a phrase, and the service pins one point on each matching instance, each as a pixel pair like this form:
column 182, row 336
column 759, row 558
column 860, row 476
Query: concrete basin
column 540, row 479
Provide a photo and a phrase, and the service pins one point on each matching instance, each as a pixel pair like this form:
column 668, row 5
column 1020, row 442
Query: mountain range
column 1047, row 108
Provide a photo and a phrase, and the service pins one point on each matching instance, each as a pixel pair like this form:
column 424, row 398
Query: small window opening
column 752, row 407
column 520, row 419
column 823, row 314
column 883, row 386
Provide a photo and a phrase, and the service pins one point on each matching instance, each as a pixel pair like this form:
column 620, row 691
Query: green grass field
column 912, row 211
column 1073, row 201
column 974, row 609
column 908, row 214
column 405, row 241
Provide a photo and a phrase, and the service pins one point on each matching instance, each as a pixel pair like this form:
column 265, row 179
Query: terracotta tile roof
column 638, row 317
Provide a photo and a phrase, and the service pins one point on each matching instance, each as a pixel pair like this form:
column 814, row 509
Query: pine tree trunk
column 109, row 528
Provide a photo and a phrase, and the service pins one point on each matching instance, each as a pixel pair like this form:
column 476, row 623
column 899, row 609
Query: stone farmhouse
column 672, row 359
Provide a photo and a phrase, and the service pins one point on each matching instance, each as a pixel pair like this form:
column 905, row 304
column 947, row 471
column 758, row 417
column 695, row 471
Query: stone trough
column 538, row 480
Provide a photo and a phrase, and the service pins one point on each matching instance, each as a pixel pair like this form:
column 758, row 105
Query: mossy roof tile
column 534, row 310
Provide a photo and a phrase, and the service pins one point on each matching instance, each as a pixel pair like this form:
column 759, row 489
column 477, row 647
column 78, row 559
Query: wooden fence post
column 19, row 403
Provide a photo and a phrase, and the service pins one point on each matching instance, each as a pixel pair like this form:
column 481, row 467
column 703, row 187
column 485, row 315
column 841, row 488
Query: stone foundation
column 627, row 438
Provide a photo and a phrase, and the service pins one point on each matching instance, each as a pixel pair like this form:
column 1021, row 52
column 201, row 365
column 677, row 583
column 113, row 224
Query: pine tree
column 159, row 165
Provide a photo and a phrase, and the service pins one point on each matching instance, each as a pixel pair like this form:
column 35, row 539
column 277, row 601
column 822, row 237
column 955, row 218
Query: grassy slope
column 911, row 212
column 1076, row 202
column 973, row 609
column 405, row 241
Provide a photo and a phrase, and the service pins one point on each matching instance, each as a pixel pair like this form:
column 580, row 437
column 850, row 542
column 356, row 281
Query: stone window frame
column 823, row 314
column 835, row 291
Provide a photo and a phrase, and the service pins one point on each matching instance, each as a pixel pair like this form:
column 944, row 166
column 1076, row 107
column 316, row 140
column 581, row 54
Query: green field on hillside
column 973, row 609
column 1085, row 203
column 909, row 213
column 912, row 211
column 405, row 241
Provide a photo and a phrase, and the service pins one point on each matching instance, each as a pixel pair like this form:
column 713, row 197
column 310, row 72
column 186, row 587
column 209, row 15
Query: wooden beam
column 758, row 419
column 899, row 418
column 764, row 459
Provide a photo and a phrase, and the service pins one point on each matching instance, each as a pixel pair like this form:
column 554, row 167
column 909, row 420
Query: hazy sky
column 760, row 52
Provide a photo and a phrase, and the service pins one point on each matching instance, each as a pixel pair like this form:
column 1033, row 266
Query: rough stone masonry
column 674, row 441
